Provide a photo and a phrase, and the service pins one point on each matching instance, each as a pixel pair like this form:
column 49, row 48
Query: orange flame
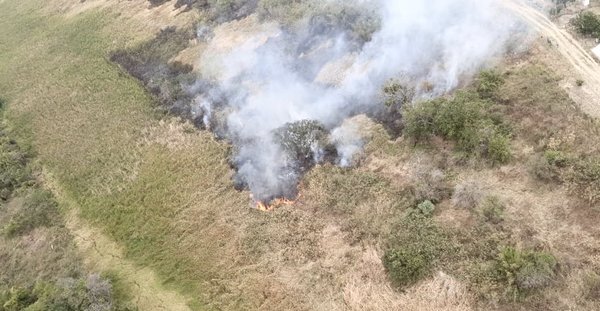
column 276, row 203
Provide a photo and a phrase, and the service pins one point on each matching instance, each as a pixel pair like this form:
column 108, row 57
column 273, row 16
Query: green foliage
column 498, row 150
column 587, row 23
column 414, row 249
column 38, row 209
column 583, row 179
column 406, row 265
column 16, row 299
column 493, row 209
column 303, row 140
column 358, row 20
column 462, row 119
column 13, row 166
column 226, row 10
column 488, row 83
column 426, row 208
column 524, row 271
column 548, row 167
column 90, row 293
column 556, row 158
column 397, row 94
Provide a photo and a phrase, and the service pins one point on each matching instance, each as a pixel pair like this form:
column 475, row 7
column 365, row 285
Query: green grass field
column 94, row 130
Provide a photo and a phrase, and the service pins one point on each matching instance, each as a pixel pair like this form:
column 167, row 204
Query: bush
column 493, row 209
column 227, row 10
column 524, row 271
column 498, row 149
column 463, row 119
column 488, row 83
column 415, row 247
column 426, row 208
column 305, row 142
column 587, row 23
column 467, row 194
column 39, row 209
column 584, row 180
column 13, row 166
column 91, row 293
column 544, row 167
column 429, row 184
column 406, row 265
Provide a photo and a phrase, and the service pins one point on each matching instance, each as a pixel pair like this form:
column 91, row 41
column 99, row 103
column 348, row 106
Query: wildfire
column 273, row 204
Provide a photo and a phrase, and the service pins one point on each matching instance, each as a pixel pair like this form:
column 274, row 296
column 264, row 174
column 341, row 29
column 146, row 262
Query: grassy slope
column 86, row 121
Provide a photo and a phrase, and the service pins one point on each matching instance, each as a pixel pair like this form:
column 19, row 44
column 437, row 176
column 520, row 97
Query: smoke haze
column 276, row 77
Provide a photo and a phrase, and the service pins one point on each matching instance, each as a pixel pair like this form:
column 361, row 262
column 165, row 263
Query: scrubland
column 485, row 199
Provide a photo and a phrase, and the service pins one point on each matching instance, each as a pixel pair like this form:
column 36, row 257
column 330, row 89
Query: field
column 148, row 199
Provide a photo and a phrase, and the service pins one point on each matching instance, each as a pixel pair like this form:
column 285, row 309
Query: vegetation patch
column 464, row 119
column 587, row 23
column 414, row 248
column 524, row 271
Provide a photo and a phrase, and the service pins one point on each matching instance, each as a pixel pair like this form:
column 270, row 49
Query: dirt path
column 100, row 253
column 584, row 64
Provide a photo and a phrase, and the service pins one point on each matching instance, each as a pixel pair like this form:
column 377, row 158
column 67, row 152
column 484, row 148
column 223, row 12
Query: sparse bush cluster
column 587, row 23
column 524, row 271
column 581, row 175
column 38, row 209
column 492, row 210
column 463, row 119
column 13, row 164
column 415, row 248
column 488, row 83
column 357, row 20
column 89, row 293
column 583, row 179
column 305, row 142
column 468, row 194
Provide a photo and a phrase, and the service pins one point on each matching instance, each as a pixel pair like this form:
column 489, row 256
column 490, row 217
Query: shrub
column 493, row 209
column 426, row 208
column 13, row 166
column 463, row 119
column 498, row 148
column 524, row 271
column 488, row 83
column 584, row 180
column 414, row 249
column 406, row 265
column 591, row 286
column 429, row 184
column 556, row 158
column 587, row 23
column 543, row 169
column 91, row 293
column 305, row 142
column 39, row 209
column 467, row 194
column 226, row 10
column 396, row 94
column 579, row 82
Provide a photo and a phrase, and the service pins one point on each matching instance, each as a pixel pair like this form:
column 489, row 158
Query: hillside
column 305, row 155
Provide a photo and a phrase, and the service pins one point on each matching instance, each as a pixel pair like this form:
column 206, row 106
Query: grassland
column 162, row 191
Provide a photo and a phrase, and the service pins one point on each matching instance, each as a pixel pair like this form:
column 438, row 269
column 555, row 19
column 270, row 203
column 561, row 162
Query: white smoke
column 438, row 43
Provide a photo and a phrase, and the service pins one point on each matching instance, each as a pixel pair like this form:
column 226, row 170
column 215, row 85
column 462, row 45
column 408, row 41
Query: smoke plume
column 278, row 77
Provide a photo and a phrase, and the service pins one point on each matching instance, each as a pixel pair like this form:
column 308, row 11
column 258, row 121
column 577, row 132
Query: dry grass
column 163, row 192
